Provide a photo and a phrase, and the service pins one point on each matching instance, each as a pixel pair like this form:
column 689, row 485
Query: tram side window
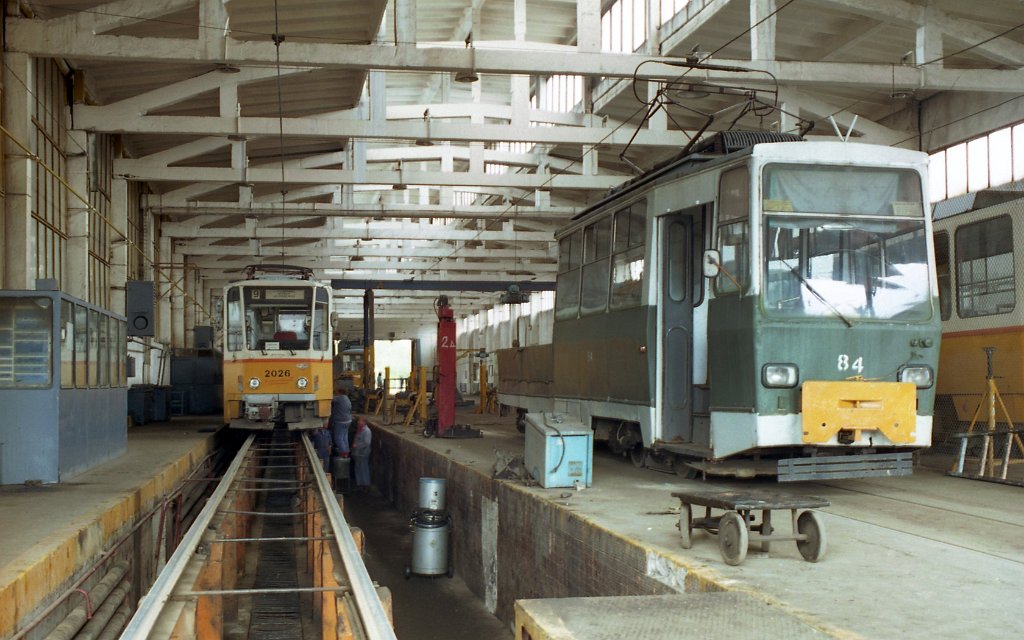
column 596, row 246
column 233, row 321
column 943, row 274
column 567, row 287
column 733, row 234
column 322, row 320
column 984, row 268
column 628, row 259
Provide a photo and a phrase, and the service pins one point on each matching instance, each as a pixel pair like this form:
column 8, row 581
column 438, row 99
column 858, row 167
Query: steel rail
column 371, row 611
column 153, row 602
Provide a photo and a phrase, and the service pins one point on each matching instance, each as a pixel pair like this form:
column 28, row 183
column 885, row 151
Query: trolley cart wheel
column 814, row 546
column 685, row 526
column 408, row 572
column 733, row 538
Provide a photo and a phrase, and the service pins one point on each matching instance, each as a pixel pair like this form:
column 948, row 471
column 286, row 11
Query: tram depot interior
column 695, row 236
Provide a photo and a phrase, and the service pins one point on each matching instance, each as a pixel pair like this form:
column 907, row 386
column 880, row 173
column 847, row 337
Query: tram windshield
column 278, row 317
column 847, row 242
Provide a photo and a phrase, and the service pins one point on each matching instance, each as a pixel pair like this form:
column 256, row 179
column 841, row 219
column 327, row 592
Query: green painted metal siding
column 731, row 353
column 599, row 357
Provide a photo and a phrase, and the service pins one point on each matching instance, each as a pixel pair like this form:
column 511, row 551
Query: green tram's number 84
column 843, row 363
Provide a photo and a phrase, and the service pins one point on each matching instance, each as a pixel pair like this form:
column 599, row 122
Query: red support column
column 444, row 392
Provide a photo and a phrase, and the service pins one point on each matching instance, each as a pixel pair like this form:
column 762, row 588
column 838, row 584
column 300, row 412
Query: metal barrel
column 432, row 494
column 430, row 544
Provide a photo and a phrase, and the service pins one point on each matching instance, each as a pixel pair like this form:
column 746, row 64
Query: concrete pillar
column 405, row 16
column 177, row 296
column 190, row 303
column 161, row 276
column 588, row 26
column 19, row 233
column 76, row 255
column 119, row 249
column 762, row 36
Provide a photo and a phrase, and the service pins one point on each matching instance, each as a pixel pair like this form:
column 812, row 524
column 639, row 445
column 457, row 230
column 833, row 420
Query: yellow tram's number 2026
column 277, row 373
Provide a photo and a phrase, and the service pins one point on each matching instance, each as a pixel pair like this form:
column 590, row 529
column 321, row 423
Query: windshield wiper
column 814, row 292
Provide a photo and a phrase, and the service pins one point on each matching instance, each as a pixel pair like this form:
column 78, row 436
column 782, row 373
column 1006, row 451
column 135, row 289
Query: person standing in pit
column 361, row 454
column 341, row 419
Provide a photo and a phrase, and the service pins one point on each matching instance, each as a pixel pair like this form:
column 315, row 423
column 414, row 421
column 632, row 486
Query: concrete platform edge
column 30, row 581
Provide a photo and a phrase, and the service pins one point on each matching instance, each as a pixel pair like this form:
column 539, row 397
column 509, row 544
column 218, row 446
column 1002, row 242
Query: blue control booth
column 63, row 386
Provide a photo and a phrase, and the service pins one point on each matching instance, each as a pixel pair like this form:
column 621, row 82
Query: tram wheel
column 814, row 546
column 682, row 469
column 638, row 455
column 733, row 538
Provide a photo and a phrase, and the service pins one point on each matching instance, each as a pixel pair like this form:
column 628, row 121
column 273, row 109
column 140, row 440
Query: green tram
column 762, row 305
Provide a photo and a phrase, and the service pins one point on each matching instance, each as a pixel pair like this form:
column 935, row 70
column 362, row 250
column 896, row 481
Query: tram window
column 594, row 297
column 630, row 226
column 733, row 245
column 567, row 287
column 943, row 274
column 570, row 252
column 321, row 332
column 233, row 322
column 81, row 347
column 627, row 278
column 734, row 195
column 596, row 240
column 67, row 344
column 567, row 295
column 676, row 260
column 984, row 268
column 596, row 245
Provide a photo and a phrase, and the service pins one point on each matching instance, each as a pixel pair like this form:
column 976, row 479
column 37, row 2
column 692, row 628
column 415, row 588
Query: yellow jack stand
column 987, row 462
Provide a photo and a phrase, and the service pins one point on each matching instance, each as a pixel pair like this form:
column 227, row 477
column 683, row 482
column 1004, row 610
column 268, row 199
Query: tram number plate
column 277, row 373
column 845, row 363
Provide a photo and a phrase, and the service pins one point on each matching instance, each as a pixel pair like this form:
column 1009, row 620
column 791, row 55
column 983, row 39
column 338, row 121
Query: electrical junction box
column 559, row 450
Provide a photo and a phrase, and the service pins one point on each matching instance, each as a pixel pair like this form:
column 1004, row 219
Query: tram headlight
column 920, row 374
column 254, row 383
column 302, row 383
column 780, row 376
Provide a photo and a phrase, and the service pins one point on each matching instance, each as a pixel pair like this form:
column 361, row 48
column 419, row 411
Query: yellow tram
column 277, row 349
column 979, row 277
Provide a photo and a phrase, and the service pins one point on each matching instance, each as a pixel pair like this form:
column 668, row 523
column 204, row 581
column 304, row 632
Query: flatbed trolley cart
column 736, row 528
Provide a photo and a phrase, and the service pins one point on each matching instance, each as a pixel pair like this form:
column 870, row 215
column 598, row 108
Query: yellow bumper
column 858, row 406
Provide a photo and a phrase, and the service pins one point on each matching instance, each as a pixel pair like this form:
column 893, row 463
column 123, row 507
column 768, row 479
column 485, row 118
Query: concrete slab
column 918, row 557
column 705, row 615
column 50, row 532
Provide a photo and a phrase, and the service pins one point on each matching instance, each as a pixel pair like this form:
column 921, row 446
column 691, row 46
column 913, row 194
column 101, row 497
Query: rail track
column 269, row 556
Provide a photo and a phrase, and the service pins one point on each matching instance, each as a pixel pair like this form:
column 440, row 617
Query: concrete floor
column 424, row 608
column 926, row 556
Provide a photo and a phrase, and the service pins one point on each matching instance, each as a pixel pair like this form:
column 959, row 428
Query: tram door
column 676, row 326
